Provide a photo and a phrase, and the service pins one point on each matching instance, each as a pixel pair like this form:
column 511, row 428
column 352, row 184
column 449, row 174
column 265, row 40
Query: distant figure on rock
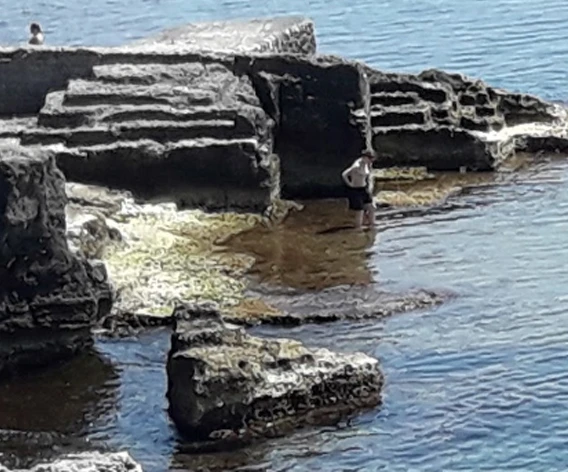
column 360, row 189
column 36, row 34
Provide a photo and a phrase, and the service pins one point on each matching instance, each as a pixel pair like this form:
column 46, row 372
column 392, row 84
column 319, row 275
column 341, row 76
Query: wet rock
column 49, row 298
column 227, row 386
column 296, row 307
column 87, row 462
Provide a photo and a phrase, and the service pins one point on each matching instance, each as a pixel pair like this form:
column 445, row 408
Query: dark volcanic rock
column 49, row 299
column 225, row 385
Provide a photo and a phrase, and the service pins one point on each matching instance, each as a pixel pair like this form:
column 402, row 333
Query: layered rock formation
column 225, row 385
column 234, row 114
column 447, row 121
column 49, row 299
column 194, row 129
column 87, row 462
column 312, row 101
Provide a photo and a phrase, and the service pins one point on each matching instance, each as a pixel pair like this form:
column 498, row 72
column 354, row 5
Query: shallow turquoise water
column 478, row 384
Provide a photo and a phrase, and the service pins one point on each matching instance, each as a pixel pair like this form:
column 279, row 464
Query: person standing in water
column 36, row 37
column 359, row 183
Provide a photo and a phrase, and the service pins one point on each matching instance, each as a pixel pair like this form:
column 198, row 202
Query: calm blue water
column 478, row 384
column 510, row 43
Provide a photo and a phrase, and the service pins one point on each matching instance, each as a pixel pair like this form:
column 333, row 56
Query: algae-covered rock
column 224, row 384
column 157, row 255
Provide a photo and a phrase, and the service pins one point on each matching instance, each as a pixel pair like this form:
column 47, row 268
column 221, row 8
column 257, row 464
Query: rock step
column 425, row 90
column 481, row 124
column 390, row 99
column 13, row 127
column 438, row 148
column 402, row 116
column 55, row 115
column 87, row 92
column 147, row 74
column 145, row 166
column 158, row 131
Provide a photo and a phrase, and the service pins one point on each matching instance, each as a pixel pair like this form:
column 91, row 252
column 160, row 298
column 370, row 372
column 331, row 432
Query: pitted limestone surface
column 223, row 382
column 447, row 121
column 49, row 298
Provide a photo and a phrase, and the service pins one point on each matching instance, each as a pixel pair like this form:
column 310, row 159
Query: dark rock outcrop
column 86, row 462
column 228, row 115
column 49, row 299
column 192, row 129
column 312, row 101
column 447, row 121
column 225, row 385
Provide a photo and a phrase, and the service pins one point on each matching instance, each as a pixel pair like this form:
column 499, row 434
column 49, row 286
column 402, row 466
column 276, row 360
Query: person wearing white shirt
column 36, row 33
column 359, row 183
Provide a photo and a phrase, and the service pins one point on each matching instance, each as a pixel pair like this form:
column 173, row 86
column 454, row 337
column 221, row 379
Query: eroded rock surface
column 225, row 385
column 191, row 129
column 288, row 34
column 312, row 101
column 86, row 462
column 49, row 298
column 449, row 121
column 237, row 127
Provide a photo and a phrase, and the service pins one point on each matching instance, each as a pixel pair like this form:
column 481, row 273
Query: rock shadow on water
column 315, row 268
column 53, row 411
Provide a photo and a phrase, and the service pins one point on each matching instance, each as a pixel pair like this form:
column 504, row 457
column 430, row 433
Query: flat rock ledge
column 86, row 462
column 226, row 387
column 49, row 298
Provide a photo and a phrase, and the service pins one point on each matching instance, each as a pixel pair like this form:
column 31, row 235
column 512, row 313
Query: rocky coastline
column 142, row 186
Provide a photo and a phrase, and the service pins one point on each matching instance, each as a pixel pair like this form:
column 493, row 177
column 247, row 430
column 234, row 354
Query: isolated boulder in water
column 226, row 384
column 49, row 298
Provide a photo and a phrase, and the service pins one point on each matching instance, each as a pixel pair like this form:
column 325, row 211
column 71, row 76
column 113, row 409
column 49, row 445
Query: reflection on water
column 314, row 249
column 55, row 409
column 477, row 384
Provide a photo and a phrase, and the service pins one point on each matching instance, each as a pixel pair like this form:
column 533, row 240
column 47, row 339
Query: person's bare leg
column 359, row 219
column 369, row 211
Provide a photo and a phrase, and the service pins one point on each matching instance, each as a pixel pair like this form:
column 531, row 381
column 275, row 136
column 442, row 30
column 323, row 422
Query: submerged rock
column 49, row 298
column 225, row 385
column 87, row 462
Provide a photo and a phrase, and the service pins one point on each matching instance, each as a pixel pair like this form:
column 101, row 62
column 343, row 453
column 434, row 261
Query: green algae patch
column 169, row 256
column 416, row 187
